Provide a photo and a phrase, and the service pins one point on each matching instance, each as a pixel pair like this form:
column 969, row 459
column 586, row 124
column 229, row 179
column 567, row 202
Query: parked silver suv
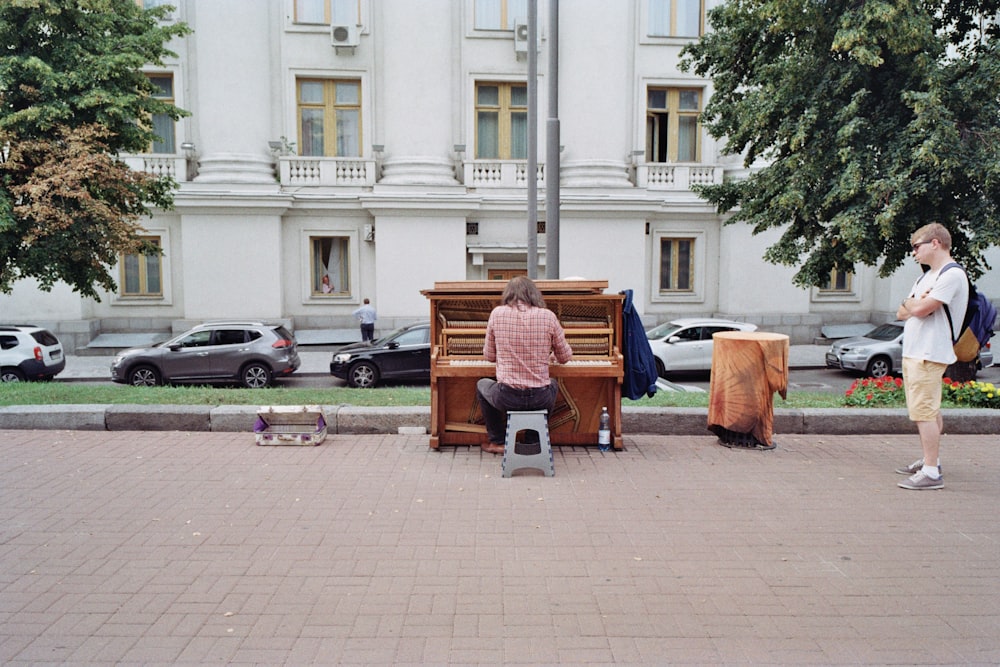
column 28, row 352
column 251, row 353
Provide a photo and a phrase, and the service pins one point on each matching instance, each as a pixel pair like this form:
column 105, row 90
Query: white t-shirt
column 928, row 338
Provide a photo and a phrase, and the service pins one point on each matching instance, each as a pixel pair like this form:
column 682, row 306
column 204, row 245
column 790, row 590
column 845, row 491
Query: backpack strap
column 951, row 325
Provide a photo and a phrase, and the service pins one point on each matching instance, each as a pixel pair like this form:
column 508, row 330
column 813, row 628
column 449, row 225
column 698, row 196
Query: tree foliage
column 870, row 119
column 72, row 98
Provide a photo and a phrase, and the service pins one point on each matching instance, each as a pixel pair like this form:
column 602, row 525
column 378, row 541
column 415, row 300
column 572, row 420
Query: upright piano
column 592, row 380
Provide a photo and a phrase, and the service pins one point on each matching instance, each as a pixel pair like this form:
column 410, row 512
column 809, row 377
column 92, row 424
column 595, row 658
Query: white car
column 685, row 344
column 29, row 352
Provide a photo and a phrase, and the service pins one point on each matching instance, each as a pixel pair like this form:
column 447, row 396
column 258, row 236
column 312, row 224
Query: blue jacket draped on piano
column 640, row 364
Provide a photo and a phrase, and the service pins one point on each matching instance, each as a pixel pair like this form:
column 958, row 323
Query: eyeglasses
column 916, row 246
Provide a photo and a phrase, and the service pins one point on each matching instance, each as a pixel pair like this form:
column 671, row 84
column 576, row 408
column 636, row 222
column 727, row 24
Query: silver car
column 879, row 352
column 251, row 353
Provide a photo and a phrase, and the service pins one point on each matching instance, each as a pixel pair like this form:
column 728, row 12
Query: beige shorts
column 922, row 381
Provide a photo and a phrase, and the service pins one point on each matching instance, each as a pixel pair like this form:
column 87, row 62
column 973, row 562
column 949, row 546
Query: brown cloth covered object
column 747, row 368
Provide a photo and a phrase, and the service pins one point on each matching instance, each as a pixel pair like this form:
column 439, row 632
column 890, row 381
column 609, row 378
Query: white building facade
column 344, row 149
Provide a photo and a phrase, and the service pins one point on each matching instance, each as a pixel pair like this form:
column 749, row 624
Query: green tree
column 72, row 98
column 871, row 119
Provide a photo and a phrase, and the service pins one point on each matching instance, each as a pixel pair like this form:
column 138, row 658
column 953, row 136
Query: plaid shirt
column 519, row 339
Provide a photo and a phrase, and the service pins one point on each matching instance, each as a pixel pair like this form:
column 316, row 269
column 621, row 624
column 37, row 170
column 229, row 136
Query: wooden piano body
column 592, row 322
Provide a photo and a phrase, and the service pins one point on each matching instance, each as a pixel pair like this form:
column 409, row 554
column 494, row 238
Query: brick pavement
column 178, row 547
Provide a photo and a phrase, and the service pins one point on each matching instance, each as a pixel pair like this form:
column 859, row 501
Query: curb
column 353, row 420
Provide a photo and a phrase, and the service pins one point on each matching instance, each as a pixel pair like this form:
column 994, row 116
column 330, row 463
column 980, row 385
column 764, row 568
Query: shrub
column 971, row 394
column 888, row 392
column 875, row 392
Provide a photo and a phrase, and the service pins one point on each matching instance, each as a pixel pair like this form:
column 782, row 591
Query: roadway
column 807, row 371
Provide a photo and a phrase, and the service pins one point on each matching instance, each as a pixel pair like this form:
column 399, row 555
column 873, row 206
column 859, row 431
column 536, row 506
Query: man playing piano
column 521, row 336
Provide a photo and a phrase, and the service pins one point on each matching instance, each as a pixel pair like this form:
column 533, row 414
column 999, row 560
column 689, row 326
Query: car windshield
column 885, row 332
column 665, row 330
column 392, row 335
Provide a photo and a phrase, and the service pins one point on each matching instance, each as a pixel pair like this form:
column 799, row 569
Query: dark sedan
column 403, row 355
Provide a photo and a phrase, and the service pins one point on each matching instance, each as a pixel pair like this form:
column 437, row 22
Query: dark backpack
column 980, row 315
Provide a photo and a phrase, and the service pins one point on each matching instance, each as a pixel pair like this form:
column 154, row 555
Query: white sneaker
column 914, row 468
column 922, row 482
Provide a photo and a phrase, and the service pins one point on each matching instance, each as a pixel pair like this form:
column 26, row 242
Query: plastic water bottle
column 604, row 431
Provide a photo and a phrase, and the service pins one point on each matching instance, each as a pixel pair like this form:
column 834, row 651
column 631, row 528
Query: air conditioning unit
column 520, row 38
column 344, row 35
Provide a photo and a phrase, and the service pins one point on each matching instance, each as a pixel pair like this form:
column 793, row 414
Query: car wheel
column 363, row 375
column 143, row 376
column 11, row 375
column 660, row 370
column 255, row 376
column 879, row 367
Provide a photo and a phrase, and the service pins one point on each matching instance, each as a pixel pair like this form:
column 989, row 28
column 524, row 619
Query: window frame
column 676, row 244
column 698, row 259
column 505, row 110
column 170, row 99
column 330, row 107
column 163, row 298
column 673, row 112
column 645, row 36
column 851, row 293
column 328, row 12
column 835, row 277
column 311, row 291
column 506, row 19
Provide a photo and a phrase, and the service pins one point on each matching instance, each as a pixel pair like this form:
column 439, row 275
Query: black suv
column 28, row 352
column 251, row 353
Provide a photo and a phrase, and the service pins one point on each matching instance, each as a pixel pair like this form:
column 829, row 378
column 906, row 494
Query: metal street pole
column 552, row 150
column 532, row 139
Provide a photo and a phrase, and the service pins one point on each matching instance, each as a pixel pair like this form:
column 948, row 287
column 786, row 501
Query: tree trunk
column 747, row 369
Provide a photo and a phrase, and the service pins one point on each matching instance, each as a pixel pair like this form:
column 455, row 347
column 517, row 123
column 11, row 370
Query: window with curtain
column 499, row 14
column 329, row 113
column 672, row 128
column 163, row 125
column 335, row 12
column 330, row 268
column 502, row 121
column 139, row 274
column 676, row 265
column 674, row 18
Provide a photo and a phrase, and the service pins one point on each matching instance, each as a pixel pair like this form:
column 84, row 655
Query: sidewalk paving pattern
column 189, row 548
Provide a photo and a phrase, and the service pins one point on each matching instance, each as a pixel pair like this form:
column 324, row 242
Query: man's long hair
column 521, row 288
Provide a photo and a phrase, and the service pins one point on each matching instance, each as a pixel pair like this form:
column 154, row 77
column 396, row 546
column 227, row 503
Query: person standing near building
column 927, row 346
column 367, row 316
column 521, row 336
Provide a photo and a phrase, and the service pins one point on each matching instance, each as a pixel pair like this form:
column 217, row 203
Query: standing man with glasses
column 927, row 346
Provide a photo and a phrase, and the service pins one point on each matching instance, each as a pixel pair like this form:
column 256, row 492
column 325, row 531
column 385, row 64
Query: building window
column 326, row 12
column 505, row 274
column 502, row 121
column 500, row 14
column 329, row 117
column 676, row 265
column 838, row 281
column 330, row 268
column 674, row 18
column 163, row 125
column 140, row 274
column 672, row 125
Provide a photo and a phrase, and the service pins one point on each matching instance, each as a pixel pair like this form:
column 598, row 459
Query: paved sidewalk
column 190, row 548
